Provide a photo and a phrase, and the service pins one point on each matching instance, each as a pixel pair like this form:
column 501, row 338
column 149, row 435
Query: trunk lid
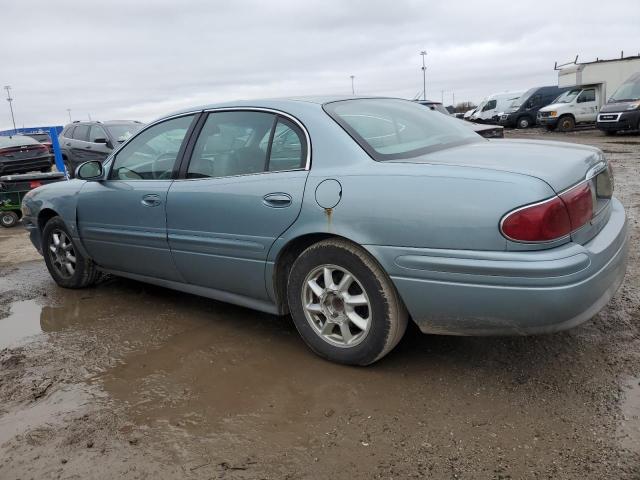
column 559, row 164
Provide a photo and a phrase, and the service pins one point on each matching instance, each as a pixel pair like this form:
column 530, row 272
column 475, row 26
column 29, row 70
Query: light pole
column 353, row 90
column 10, row 100
column 69, row 112
column 424, row 76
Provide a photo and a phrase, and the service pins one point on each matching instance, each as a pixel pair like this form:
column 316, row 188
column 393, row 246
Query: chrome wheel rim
column 62, row 254
column 336, row 305
column 8, row 219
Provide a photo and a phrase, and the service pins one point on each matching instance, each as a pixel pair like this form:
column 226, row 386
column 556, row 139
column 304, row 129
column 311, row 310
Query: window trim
column 186, row 160
column 197, row 115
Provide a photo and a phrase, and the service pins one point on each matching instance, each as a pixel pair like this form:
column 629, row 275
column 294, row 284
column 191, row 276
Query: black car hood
column 617, row 107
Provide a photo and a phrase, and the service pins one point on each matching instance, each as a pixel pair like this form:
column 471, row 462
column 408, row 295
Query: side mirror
column 91, row 171
column 100, row 140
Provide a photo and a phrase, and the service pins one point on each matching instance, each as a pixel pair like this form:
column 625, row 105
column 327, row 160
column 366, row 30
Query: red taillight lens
column 553, row 219
column 579, row 202
column 34, row 184
column 538, row 223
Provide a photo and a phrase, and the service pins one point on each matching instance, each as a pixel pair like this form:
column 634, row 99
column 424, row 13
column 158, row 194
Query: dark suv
column 84, row 141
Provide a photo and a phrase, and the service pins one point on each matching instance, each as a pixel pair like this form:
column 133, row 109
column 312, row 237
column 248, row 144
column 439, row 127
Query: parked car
column 590, row 83
column 622, row 111
column 523, row 111
column 486, row 131
column 43, row 138
column 22, row 154
column 491, row 108
column 84, row 141
column 353, row 215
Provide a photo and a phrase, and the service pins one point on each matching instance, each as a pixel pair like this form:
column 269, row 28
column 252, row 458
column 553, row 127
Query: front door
column 122, row 220
column 98, row 150
column 587, row 105
column 242, row 189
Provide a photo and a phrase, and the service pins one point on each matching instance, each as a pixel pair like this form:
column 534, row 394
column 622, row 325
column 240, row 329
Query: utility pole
column 353, row 90
column 10, row 100
column 69, row 112
column 424, row 76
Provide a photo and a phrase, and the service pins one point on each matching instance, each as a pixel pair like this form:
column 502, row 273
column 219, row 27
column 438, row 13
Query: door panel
column 121, row 231
column 220, row 229
column 122, row 220
column 586, row 110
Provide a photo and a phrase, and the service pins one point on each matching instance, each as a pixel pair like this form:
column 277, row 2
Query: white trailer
column 591, row 85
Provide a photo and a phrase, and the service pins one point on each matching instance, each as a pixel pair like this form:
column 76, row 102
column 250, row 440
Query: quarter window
column 152, row 154
column 287, row 147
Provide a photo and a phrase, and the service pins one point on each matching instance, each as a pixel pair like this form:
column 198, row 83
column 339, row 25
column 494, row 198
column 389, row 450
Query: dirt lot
column 134, row 381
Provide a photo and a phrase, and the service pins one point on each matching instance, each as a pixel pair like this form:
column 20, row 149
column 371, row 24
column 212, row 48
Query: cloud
column 139, row 60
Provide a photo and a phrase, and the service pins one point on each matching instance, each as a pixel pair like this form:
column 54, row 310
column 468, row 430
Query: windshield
column 522, row 98
column 122, row 132
column 567, row 97
column 389, row 129
column 17, row 141
column 628, row 91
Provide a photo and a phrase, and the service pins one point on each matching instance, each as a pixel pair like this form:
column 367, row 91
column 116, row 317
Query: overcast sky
column 144, row 58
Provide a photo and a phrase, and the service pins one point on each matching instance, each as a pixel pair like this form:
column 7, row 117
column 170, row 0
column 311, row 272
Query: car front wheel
column 67, row 266
column 344, row 305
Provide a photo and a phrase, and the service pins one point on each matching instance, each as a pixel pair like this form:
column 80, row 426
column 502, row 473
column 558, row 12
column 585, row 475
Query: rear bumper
column 623, row 121
column 25, row 165
column 505, row 293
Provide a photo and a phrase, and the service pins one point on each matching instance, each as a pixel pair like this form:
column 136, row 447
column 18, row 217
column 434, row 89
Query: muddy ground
column 134, row 381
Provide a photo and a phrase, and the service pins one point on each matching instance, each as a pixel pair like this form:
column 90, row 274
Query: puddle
column 23, row 322
column 630, row 428
column 39, row 418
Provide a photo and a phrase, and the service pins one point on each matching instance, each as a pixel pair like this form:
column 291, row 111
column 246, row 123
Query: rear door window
column 81, row 133
column 97, row 132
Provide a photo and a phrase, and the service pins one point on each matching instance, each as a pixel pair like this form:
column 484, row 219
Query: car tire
column 550, row 128
column 9, row 219
column 356, row 319
column 566, row 123
column 523, row 122
column 68, row 168
column 67, row 266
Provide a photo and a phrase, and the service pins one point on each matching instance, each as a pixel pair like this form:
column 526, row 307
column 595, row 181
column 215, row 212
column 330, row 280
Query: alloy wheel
column 336, row 305
column 62, row 254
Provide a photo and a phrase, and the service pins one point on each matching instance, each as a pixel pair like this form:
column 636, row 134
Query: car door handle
column 68, row 144
column 151, row 200
column 277, row 200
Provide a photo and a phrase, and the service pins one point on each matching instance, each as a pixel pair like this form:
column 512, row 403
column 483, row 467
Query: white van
column 591, row 83
column 491, row 108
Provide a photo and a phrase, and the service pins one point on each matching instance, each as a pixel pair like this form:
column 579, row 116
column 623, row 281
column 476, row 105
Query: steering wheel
column 162, row 167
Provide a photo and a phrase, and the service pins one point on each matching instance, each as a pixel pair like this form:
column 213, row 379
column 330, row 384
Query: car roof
column 312, row 102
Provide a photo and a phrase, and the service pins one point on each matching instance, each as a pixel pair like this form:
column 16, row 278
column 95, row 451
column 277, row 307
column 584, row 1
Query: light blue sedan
column 354, row 215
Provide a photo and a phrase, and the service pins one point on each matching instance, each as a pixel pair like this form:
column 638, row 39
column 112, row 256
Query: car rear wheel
column 566, row 123
column 67, row 266
column 343, row 304
column 9, row 219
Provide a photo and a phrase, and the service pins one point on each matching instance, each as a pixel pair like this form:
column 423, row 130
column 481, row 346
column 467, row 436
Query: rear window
column 389, row 129
column 16, row 141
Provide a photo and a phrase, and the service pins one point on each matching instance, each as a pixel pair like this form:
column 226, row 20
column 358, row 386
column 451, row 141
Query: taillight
column 34, row 184
column 579, row 201
column 552, row 219
column 540, row 222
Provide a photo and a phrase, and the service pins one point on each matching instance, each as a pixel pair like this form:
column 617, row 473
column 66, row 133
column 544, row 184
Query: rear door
column 240, row 190
column 122, row 220
column 79, row 143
